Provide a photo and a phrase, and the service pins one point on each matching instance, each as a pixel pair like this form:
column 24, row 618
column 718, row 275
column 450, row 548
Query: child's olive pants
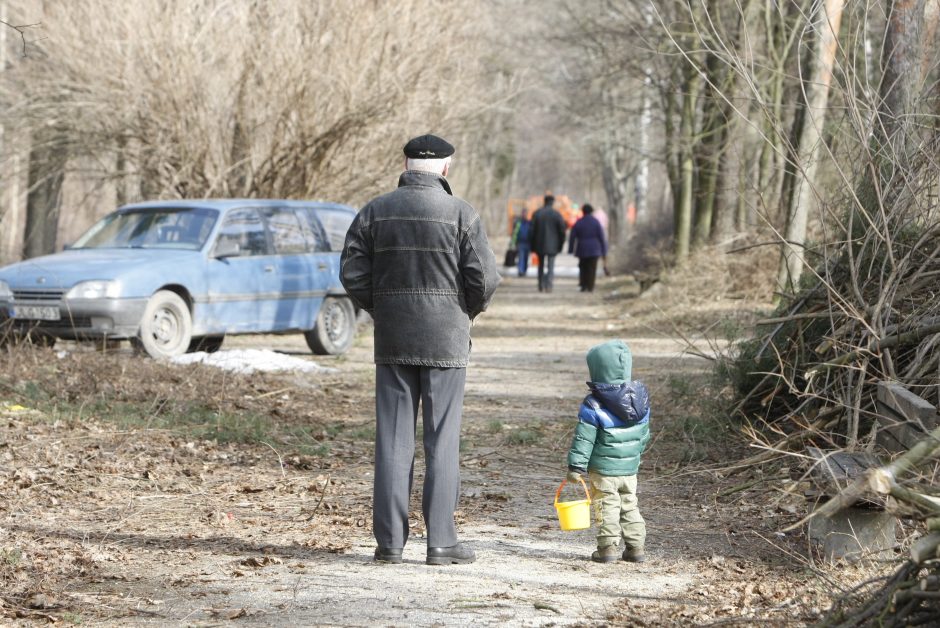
column 614, row 498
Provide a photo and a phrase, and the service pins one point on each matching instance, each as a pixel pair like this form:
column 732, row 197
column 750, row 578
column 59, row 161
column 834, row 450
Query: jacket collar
column 424, row 179
column 628, row 401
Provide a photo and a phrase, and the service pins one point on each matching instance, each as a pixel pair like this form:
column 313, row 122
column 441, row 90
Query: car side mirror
column 226, row 248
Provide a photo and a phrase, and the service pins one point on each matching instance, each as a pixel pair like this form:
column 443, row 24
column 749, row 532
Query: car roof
column 223, row 204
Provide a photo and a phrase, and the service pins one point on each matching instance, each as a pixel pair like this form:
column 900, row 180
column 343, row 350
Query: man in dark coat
column 588, row 242
column 418, row 260
column 548, row 238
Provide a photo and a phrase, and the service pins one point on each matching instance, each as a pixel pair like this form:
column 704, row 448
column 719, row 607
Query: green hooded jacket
column 613, row 421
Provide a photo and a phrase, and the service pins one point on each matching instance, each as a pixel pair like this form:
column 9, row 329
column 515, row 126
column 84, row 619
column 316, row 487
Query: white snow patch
column 247, row 361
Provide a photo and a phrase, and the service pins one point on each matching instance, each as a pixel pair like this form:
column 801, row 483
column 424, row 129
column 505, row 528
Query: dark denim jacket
column 418, row 260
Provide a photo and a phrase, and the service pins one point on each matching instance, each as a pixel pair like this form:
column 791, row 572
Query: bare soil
column 143, row 523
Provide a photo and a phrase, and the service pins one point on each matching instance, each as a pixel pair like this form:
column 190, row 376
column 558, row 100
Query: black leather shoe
column 387, row 555
column 454, row 555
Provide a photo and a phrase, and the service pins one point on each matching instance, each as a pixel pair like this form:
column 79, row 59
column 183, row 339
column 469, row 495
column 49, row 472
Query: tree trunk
column 684, row 206
column 615, row 189
column 817, row 96
column 901, row 60
column 672, row 142
column 45, row 174
column 641, row 182
column 708, row 152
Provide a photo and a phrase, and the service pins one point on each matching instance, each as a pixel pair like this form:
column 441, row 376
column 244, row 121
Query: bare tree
column 825, row 26
column 216, row 98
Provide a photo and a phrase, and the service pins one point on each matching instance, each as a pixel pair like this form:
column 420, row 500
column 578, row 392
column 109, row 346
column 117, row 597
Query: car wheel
column 166, row 328
column 335, row 328
column 209, row 344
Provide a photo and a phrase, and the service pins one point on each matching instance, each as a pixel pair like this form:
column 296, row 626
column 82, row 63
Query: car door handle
column 269, row 269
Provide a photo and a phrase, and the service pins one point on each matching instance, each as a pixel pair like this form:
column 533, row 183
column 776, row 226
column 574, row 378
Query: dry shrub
column 143, row 392
column 201, row 98
column 741, row 272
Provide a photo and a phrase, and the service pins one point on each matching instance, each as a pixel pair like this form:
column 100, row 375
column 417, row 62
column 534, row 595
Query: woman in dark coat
column 588, row 242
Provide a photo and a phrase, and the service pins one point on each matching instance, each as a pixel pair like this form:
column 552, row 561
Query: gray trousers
column 546, row 272
column 398, row 388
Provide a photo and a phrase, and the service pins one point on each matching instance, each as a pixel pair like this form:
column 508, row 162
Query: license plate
column 37, row 312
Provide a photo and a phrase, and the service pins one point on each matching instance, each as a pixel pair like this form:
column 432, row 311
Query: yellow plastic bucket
column 574, row 515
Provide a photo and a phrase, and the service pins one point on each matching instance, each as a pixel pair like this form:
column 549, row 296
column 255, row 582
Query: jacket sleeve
column 356, row 264
column 582, row 446
column 572, row 238
column 562, row 230
column 477, row 268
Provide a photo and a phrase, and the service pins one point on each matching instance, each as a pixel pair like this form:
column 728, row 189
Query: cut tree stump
column 863, row 530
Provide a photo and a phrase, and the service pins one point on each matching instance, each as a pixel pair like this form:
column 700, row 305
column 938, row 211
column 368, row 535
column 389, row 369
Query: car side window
column 335, row 224
column 320, row 241
column 286, row 231
column 244, row 230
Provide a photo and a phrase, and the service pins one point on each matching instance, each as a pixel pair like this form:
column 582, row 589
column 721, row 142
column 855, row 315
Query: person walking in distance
column 588, row 243
column 548, row 238
column 418, row 260
column 520, row 241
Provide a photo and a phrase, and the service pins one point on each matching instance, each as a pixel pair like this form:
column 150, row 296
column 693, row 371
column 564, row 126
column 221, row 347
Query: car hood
column 63, row 270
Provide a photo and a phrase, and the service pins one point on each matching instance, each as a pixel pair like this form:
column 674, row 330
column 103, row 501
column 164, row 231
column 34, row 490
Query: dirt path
column 244, row 535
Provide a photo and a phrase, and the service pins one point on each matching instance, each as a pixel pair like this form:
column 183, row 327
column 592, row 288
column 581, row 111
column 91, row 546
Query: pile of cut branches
column 911, row 595
column 871, row 313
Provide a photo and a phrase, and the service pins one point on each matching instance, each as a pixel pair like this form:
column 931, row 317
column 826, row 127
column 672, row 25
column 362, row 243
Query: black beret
column 428, row 147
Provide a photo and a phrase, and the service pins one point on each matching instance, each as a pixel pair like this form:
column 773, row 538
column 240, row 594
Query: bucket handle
column 562, row 485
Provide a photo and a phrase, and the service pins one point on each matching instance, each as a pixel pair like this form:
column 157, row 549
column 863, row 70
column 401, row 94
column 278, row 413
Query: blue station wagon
column 178, row 276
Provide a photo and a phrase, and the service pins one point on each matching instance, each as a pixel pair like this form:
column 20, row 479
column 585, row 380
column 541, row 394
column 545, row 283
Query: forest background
column 712, row 119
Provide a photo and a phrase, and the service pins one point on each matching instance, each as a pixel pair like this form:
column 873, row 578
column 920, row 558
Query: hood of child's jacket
column 629, row 401
column 610, row 362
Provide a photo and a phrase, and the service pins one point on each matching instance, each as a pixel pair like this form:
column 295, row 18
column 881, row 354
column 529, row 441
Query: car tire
column 166, row 328
column 335, row 327
column 209, row 344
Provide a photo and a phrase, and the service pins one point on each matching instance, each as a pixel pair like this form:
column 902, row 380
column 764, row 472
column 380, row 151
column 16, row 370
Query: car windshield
column 164, row 228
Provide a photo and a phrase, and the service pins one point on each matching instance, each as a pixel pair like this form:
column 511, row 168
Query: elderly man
column 548, row 238
column 418, row 260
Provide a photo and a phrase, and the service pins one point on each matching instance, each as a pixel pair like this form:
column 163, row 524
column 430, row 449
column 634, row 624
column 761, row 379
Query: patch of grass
column 334, row 429
column 197, row 403
column 305, row 442
column 34, row 392
column 523, row 436
column 365, row 433
column 680, row 386
column 494, row 426
column 11, row 557
column 192, row 420
column 699, row 401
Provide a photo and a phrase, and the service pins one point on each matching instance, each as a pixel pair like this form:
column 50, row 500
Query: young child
column 613, row 430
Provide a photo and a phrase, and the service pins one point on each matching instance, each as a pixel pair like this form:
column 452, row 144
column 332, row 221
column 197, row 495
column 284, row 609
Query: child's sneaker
column 606, row 554
column 632, row 555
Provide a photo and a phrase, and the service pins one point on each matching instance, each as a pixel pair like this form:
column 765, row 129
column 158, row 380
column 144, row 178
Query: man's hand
column 573, row 476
